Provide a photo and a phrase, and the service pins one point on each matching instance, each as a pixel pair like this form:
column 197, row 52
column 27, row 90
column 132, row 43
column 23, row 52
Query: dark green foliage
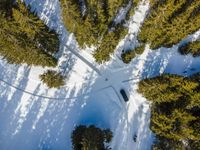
column 167, row 88
column 192, row 47
column 166, row 144
column 90, row 138
column 195, row 145
column 127, row 56
column 52, row 79
column 6, row 7
column 174, row 124
column 175, row 110
column 169, row 22
column 24, row 38
column 95, row 25
column 108, row 44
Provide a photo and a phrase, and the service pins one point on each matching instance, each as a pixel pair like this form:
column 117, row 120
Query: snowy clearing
column 35, row 117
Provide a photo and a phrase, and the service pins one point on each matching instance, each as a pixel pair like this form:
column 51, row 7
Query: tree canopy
column 190, row 48
column 175, row 111
column 52, row 79
column 24, row 38
column 92, row 22
column 90, row 138
column 170, row 21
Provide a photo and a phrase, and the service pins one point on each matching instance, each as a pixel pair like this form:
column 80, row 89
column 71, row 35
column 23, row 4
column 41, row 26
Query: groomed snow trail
column 35, row 117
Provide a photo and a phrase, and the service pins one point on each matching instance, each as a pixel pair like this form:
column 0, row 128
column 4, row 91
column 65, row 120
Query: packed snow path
column 35, row 117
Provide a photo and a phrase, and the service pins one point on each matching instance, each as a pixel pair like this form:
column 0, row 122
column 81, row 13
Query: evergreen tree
column 128, row 55
column 90, row 138
column 52, row 79
column 6, row 7
column 175, row 111
column 26, row 39
column 168, row 88
column 92, row 23
column 191, row 47
column 169, row 22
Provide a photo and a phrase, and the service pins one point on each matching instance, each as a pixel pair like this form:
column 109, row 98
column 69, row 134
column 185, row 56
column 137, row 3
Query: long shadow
column 10, row 100
column 42, row 123
column 47, row 124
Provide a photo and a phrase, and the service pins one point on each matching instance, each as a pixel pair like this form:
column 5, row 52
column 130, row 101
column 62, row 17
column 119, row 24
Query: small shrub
column 129, row 55
column 52, row 79
column 90, row 138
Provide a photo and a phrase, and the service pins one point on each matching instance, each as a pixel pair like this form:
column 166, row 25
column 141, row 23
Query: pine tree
column 169, row 22
column 90, row 138
column 128, row 55
column 175, row 110
column 52, row 79
column 26, row 39
column 191, row 47
column 95, row 25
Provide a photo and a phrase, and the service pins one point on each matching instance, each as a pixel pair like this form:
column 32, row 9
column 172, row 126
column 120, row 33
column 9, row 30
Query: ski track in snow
column 35, row 117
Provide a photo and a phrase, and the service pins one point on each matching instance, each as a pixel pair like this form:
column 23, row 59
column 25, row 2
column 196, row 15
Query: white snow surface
column 35, row 117
column 122, row 13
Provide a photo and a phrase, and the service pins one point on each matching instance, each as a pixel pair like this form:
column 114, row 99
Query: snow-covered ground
column 35, row 117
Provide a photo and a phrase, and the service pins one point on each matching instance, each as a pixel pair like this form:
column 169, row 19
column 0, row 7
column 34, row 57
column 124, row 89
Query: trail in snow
column 37, row 121
column 84, row 60
column 52, row 98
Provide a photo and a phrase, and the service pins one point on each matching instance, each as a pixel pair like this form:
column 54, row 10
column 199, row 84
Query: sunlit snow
column 35, row 117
